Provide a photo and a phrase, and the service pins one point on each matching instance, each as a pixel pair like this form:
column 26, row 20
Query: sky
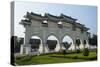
column 86, row 15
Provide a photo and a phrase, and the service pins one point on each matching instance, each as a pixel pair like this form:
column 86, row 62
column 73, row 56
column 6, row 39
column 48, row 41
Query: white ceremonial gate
column 47, row 25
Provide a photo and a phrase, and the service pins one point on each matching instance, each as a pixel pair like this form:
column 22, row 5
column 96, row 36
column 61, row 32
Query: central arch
column 52, row 42
column 67, row 39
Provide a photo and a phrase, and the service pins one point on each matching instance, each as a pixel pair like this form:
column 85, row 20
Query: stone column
column 21, row 49
column 27, row 49
column 43, row 45
column 61, row 45
column 87, row 44
column 44, row 40
column 58, row 46
column 74, row 40
column 46, row 48
column 60, row 40
column 27, row 38
column 41, row 48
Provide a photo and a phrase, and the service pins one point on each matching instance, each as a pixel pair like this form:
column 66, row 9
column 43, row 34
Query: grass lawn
column 55, row 58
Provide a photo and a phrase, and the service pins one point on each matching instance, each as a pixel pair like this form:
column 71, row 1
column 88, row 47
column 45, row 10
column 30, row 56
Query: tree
column 78, row 42
column 64, row 52
column 17, row 43
column 93, row 40
column 84, row 42
column 66, row 45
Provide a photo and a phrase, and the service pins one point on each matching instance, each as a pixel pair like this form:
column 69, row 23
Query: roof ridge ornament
column 32, row 13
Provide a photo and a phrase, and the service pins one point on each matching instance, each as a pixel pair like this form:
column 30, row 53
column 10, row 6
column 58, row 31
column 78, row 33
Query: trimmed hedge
column 86, row 52
column 78, row 51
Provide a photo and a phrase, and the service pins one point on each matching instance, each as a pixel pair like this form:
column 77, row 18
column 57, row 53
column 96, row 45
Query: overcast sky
column 85, row 14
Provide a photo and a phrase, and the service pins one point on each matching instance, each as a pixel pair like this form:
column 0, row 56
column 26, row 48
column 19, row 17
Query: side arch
column 69, row 39
column 81, row 46
column 67, row 35
column 41, row 47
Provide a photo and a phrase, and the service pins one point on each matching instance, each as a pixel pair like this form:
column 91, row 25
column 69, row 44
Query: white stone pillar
column 87, row 44
column 27, row 38
column 82, row 46
column 21, row 49
column 75, row 47
column 46, row 48
column 44, row 40
column 58, row 47
column 59, row 42
column 28, row 49
column 41, row 48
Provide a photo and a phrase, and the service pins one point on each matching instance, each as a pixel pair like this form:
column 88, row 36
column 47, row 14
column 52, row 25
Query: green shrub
column 75, row 57
column 18, row 58
column 78, row 51
column 64, row 52
column 26, row 58
column 86, row 52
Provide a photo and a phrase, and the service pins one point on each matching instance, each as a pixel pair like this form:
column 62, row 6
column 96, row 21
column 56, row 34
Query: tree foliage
column 84, row 43
column 64, row 52
column 93, row 40
column 78, row 42
column 86, row 52
column 66, row 44
column 17, row 44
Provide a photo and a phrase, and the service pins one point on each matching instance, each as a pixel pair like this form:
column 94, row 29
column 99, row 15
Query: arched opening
column 51, row 42
column 67, row 43
column 78, row 43
column 35, row 42
column 84, row 42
